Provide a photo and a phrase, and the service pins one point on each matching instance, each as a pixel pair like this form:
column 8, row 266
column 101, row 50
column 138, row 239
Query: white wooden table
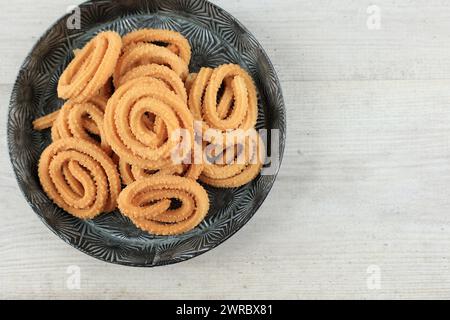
column 361, row 208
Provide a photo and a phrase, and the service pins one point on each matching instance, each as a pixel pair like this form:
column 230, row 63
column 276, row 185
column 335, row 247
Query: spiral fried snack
column 91, row 68
column 140, row 139
column 160, row 72
column 147, row 203
column 174, row 41
column 48, row 120
column 79, row 177
column 241, row 167
column 146, row 53
column 81, row 120
column 237, row 107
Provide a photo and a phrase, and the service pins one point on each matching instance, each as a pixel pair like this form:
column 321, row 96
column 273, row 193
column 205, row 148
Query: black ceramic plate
column 216, row 38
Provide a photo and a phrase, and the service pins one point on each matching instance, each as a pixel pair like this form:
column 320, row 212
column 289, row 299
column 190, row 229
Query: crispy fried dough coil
column 147, row 203
column 126, row 127
column 175, row 42
column 244, row 166
column 91, row 68
column 237, row 107
column 146, row 53
column 160, row 72
column 80, row 120
column 79, row 177
column 48, row 120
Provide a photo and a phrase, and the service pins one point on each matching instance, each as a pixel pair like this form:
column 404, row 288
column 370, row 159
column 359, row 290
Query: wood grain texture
column 365, row 178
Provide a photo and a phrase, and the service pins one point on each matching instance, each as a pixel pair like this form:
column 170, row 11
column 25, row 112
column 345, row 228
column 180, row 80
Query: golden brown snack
column 91, row 68
column 126, row 122
column 46, row 121
column 241, row 167
column 237, row 107
column 125, row 172
column 81, row 120
column 87, row 123
column 160, row 72
column 146, row 53
column 175, row 42
column 79, row 177
column 147, row 203
column 197, row 92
